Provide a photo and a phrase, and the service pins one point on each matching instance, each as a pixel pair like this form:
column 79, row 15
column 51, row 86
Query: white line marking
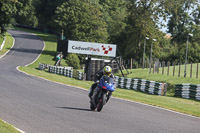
column 14, row 127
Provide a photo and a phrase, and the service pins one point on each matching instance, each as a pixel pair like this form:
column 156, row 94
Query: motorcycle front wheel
column 101, row 102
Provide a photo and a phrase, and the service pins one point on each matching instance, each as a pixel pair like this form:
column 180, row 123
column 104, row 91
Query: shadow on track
column 72, row 108
column 34, row 51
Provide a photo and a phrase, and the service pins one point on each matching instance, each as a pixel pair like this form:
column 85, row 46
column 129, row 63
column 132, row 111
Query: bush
column 73, row 60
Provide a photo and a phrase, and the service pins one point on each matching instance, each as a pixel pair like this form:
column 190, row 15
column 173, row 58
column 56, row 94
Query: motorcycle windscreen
column 107, row 83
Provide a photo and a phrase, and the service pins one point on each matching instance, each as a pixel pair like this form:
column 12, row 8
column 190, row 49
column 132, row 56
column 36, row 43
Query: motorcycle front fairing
column 107, row 83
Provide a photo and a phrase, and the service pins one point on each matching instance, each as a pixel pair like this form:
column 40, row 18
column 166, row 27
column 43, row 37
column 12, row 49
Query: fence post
column 191, row 71
column 147, row 63
column 197, row 70
column 120, row 62
column 174, row 68
column 168, row 63
column 131, row 64
column 163, row 67
column 158, row 67
column 179, row 71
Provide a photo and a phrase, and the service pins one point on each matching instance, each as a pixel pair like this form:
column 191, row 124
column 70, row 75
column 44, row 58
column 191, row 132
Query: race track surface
column 35, row 105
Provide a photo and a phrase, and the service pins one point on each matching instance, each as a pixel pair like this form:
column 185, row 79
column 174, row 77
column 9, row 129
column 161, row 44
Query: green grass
column 1, row 39
column 182, row 69
column 7, row 128
column 177, row 104
column 8, row 44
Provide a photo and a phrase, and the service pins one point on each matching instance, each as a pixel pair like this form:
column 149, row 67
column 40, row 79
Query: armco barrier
column 43, row 66
column 80, row 75
column 66, row 71
column 189, row 91
column 147, row 86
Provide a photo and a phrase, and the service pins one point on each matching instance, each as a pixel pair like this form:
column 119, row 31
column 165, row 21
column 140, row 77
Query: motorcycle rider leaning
column 107, row 70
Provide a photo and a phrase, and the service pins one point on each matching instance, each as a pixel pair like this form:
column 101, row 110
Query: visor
column 107, row 73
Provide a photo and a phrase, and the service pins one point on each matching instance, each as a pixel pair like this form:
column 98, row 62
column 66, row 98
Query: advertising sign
column 92, row 48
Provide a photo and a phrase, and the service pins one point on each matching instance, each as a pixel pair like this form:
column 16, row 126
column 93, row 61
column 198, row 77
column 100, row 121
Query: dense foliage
column 7, row 9
column 73, row 60
column 122, row 22
column 81, row 21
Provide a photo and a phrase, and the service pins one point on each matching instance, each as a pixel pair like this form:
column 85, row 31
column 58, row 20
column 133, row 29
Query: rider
column 107, row 70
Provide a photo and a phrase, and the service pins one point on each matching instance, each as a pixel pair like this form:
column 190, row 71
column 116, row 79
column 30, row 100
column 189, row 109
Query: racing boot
column 90, row 94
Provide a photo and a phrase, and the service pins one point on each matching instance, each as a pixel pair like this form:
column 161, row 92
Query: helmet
column 107, row 70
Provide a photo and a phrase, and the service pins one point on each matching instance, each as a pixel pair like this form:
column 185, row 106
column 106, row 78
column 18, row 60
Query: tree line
column 126, row 23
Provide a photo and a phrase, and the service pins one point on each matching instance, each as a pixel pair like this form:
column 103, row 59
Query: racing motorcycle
column 102, row 93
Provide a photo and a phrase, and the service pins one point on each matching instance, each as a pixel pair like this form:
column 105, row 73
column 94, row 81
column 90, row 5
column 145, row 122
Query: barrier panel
column 66, row 71
column 189, row 91
column 43, row 66
column 146, row 86
column 80, row 75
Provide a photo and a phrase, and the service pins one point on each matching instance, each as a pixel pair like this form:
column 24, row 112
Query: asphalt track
column 35, row 105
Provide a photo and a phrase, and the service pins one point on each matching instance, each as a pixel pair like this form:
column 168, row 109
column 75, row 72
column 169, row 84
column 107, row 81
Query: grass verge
column 1, row 39
column 8, row 44
column 7, row 128
column 177, row 104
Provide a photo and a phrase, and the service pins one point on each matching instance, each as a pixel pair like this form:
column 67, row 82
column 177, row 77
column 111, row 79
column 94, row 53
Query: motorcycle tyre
column 101, row 102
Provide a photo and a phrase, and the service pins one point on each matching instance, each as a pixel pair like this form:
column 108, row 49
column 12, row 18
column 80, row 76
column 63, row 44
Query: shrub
column 73, row 60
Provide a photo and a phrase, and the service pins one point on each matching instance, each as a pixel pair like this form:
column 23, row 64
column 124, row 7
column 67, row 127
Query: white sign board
column 92, row 48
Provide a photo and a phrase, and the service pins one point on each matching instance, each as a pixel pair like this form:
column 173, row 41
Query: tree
column 114, row 12
column 26, row 13
column 183, row 15
column 45, row 10
column 184, row 19
column 7, row 9
column 142, row 20
column 82, row 21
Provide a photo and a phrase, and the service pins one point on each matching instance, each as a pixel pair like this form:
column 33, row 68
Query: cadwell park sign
column 92, row 48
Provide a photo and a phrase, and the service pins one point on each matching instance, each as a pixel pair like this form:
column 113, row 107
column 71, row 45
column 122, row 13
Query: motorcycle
column 102, row 93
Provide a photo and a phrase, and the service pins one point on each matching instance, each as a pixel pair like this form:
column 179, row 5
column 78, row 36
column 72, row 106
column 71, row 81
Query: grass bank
column 1, row 39
column 8, row 44
column 177, row 104
column 7, row 128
